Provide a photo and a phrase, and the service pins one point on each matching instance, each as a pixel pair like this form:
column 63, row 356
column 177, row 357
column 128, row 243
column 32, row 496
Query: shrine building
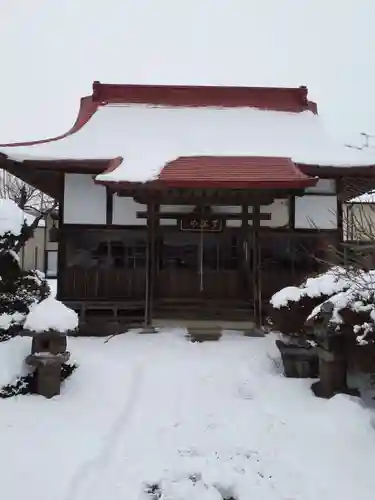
column 190, row 201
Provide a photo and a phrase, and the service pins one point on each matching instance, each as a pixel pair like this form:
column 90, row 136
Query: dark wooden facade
column 197, row 264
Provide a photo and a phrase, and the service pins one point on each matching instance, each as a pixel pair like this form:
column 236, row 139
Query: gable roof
column 138, row 129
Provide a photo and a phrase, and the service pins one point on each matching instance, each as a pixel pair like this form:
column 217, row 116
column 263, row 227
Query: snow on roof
column 364, row 198
column 12, row 218
column 51, row 314
column 147, row 137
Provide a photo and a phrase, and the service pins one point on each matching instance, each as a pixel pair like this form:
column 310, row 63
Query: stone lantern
column 331, row 353
column 49, row 323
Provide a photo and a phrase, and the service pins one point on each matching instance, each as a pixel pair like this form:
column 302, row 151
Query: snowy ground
column 158, row 409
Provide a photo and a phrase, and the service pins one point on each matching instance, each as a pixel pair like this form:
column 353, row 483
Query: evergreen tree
column 19, row 289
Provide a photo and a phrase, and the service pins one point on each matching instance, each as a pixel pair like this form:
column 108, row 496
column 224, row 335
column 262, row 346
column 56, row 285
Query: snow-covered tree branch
column 27, row 197
column 30, row 200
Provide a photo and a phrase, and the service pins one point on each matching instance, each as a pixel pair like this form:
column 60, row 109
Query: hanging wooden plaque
column 208, row 224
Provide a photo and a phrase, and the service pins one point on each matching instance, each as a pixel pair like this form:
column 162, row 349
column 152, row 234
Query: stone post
column 48, row 380
column 48, row 354
column 332, row 373
column 332, row 356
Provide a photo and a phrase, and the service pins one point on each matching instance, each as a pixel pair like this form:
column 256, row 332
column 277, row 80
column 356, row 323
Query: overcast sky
column 52, row 50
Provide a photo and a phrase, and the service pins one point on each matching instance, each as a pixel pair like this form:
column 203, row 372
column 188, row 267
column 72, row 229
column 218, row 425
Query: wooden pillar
column 257, row 281
column 292, row 211
column 340, row 222
column 109, row 207
column 150, row 262
column 291, row 224
column 61, row 249
column 244, row 268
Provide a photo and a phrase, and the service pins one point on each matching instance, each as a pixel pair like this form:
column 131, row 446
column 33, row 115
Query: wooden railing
column 181, row 283
column 102, row 284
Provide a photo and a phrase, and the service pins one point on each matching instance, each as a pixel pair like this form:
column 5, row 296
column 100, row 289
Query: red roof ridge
column 289, row 99
column 87, row 109
column 231, row 157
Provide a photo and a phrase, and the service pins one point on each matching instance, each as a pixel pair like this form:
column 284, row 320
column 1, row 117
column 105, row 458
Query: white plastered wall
column 84, row 201
column 125, row 211
column 316, row 212
column 279, row 211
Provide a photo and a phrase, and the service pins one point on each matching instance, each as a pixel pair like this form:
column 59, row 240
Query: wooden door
column 199, row 265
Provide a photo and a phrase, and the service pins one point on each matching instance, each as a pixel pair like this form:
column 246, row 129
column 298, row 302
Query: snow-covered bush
column 19, row 289
column 353, row 312
column 296, row 312
column 290, row 307
column 351, row 322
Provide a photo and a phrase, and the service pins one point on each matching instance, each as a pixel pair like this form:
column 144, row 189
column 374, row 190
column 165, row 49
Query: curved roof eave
column 87, row 109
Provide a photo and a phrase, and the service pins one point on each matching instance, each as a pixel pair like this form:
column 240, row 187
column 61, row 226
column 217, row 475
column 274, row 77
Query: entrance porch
column 202, row 261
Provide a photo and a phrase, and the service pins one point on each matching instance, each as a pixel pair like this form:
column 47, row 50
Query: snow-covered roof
column 364, row 198
column 147, row 137
column 12, row 218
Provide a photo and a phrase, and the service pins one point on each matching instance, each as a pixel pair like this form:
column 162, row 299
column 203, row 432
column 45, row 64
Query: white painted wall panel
column 177, row 208
column 323, row 186
column 84, row 201
column 279, row 211
column 125, row 211
column 174, row 208
column 229, row 210
column 316, row 211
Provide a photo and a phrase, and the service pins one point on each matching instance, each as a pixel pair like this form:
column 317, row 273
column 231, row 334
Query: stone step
column 204, row 311
column 203, row 305
column 199, row 335
column 208, row 328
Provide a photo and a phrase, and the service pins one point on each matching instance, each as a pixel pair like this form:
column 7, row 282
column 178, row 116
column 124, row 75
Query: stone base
column 320, row 391
column 298, row 362
column 148, row 330
column 333, row 378
column 204, row 334
column 204, row 324
column 254, row 332
column 48, row 380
